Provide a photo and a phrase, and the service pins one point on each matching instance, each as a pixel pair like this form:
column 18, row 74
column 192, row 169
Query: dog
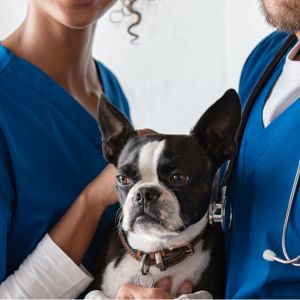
column 164, row 185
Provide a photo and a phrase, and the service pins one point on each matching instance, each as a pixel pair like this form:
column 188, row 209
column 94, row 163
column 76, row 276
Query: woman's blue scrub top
column 50, row 149
column 260, row 188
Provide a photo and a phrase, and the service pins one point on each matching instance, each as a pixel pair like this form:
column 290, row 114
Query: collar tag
column 144, row 277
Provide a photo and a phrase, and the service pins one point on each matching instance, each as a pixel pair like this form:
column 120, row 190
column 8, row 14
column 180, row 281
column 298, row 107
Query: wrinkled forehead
column 143, row 156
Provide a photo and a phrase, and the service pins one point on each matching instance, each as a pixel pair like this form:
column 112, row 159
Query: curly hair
column 129, row 9
column 135, row 12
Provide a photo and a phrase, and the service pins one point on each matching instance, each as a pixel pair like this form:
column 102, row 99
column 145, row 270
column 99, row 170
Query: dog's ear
column 115, row 129
column 216, row 129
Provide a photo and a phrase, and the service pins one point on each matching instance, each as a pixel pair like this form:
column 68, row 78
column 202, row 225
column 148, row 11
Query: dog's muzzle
column 146, row 196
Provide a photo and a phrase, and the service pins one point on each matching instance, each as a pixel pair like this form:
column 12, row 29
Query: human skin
column 57, row 37
column 284, row 15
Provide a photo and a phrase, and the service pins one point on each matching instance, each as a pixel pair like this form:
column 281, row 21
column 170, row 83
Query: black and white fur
column 164, row 187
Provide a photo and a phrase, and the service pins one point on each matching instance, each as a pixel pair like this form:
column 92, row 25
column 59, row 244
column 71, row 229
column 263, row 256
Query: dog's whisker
column 119, row 211
column 119, row 217
column 182, row 218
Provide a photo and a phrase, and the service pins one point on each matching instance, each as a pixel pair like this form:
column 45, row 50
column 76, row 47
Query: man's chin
column 283, row 15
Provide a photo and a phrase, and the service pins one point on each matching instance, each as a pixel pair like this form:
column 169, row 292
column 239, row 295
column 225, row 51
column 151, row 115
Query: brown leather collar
column 165, row 258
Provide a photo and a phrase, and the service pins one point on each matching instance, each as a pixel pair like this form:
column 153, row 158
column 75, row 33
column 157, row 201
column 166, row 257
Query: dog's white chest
column 127, row 270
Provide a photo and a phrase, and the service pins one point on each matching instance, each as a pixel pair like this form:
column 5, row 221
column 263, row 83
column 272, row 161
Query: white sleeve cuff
column 197, row 295
column 47, row 273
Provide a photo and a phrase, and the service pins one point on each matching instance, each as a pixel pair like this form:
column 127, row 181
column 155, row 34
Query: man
column 266, row 167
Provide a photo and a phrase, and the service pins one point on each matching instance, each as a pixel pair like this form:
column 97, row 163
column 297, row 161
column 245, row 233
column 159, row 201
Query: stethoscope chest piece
column 221, row 212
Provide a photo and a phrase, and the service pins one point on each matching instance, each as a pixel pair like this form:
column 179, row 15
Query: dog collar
column 161, row 259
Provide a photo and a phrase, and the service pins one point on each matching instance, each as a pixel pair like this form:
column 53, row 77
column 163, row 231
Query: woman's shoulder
column 108, row 78
column 5, row 58
column 8, row 82
column 113, row 89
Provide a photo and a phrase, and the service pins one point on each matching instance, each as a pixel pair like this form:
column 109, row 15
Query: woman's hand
column 75, row 230
column 160, row 291
column 101, row 193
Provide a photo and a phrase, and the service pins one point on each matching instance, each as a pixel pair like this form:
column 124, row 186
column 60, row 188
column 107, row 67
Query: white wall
column 189, row 52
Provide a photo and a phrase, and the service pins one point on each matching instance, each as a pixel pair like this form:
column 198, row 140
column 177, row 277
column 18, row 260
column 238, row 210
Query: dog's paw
column 96, row 294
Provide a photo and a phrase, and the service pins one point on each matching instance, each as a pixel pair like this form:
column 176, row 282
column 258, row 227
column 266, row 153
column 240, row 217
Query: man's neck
column 297, row 56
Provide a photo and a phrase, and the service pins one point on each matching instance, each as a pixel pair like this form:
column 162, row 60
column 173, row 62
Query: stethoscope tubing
column 268, row 254
column 251, row 101
column 287, row 217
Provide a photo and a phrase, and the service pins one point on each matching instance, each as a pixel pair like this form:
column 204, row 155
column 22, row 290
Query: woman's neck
column 63, row 53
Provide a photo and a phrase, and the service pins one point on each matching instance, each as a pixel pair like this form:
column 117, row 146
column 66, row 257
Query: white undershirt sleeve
column 47, row 273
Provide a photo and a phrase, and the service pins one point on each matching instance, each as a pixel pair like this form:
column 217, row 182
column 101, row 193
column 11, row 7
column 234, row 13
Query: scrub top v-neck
column 260, row 189
column 50, row 149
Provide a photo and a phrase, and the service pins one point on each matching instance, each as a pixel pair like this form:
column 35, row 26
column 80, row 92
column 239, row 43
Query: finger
column 164, row 284
column 126, row 291
column 146, row 131
column 130, row 291
column 185, row 288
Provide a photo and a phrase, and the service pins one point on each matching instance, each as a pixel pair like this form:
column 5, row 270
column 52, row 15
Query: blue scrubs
column 50, row 149
column 260, row 189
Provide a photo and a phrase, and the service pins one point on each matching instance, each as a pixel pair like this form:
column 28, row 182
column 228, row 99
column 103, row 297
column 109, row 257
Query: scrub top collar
column 51, row 91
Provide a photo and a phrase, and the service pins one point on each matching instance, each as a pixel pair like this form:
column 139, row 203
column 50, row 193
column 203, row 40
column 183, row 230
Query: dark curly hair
column 132, row 10
column 128, row 9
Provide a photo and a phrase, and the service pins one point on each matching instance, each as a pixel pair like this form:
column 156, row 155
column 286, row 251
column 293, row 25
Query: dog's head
column 164, row 182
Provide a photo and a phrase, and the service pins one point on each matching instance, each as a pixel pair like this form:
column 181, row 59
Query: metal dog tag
column 146, row 280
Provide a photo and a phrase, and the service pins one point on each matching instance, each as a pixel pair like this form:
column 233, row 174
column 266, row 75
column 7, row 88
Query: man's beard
column 282, row 14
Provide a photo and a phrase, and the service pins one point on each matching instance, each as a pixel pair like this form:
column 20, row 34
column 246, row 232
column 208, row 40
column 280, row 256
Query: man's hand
column 131, row 291
column 160, row 291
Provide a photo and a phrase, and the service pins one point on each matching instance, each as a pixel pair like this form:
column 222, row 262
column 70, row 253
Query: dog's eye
column 123, row 180
column 178, row 179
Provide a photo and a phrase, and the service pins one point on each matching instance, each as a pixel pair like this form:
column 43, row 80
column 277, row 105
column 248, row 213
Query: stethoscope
column 269, row 254
column 222, row 212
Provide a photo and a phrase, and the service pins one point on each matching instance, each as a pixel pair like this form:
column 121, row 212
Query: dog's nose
column 146, row 194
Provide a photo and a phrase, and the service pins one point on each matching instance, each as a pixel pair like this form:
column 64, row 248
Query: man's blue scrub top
column 50, row 149
column 260, row 188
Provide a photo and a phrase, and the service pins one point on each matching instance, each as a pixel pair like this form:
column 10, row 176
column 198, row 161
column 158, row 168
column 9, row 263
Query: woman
column 50, row 149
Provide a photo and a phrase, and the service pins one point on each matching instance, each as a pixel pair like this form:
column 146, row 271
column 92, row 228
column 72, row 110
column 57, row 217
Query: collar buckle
column 190, row 249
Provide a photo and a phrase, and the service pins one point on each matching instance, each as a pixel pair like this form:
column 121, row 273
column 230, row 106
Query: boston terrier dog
column 164, row 184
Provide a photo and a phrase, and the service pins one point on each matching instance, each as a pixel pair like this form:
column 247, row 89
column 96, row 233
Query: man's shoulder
column 258, row 60
column 273, row 40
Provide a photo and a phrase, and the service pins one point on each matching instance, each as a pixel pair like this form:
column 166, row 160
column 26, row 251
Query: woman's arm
column 74, row 232
column 51, row 271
